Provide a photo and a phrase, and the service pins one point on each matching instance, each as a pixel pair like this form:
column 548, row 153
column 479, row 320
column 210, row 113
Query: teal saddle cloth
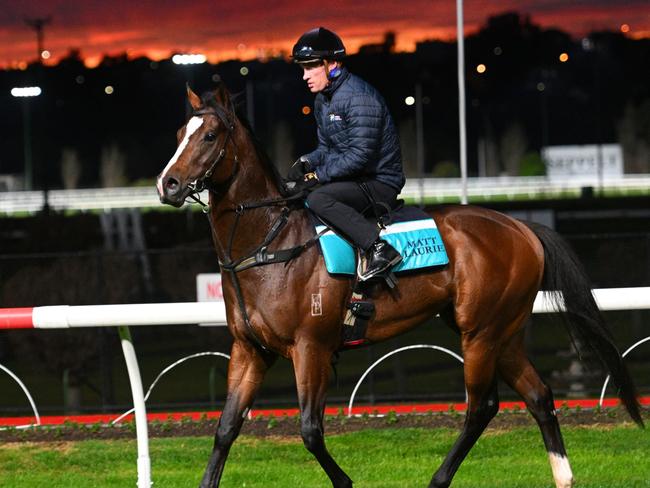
column 413, row 233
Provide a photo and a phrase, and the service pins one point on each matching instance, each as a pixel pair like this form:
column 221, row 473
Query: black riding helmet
column 318, row 44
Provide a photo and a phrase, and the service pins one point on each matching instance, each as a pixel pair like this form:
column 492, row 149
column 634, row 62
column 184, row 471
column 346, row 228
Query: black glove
column 298, row 169
column 304, row 184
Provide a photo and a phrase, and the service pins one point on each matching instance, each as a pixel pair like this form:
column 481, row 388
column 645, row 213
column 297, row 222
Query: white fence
column 436, row 189
column 211, row 312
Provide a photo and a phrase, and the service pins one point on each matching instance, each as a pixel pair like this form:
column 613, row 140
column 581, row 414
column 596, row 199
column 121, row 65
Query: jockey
column 357, row 143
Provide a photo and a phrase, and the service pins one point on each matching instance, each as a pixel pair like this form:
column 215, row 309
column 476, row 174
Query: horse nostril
column 172, row 185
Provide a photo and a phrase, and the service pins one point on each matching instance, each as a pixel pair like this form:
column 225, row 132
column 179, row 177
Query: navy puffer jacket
column 357, row 139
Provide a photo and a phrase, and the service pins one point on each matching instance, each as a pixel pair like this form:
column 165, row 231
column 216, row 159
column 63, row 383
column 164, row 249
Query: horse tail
column 581, row 316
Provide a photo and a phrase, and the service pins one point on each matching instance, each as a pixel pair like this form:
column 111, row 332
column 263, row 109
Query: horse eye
column 210, row 137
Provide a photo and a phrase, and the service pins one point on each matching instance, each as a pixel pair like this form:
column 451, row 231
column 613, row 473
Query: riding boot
column 381, row 257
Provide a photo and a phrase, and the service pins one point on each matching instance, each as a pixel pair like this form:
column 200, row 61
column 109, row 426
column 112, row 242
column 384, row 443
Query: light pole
column 542, row 86
column 419, row 129
column 419, row 137
column 482, row 145
column 26, row 93
column 39, row 26
column 460, row 35
column 250, row 96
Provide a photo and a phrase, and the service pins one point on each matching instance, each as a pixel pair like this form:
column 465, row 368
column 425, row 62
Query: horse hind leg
column 482, row 406
column 515, row 368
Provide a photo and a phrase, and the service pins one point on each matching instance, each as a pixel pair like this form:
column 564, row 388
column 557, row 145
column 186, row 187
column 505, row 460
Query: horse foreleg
column 519, row 373
column 312, row 369
column 246, row 370
column 482, row 406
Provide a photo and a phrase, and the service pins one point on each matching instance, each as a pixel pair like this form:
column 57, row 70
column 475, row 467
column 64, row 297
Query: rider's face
column 315, row 74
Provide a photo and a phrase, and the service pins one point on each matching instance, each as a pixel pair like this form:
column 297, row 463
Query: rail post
column 144, row 461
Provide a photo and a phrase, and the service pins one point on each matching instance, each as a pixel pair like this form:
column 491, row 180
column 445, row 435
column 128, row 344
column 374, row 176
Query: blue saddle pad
column 413, row 233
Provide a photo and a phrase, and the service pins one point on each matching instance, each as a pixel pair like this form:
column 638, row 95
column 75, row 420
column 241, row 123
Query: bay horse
column 496, row 267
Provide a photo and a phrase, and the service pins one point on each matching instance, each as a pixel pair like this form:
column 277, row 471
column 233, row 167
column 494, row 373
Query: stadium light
column 189, row 58
column 26, row 91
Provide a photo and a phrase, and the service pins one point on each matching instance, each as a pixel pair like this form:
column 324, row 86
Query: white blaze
column 191, row 127
column 561, row 470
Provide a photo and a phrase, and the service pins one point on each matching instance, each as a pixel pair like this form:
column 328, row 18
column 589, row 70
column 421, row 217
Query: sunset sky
column 251, row 28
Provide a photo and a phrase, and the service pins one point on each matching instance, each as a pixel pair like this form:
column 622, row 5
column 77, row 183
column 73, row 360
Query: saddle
column 408, row 229
column 411, row 231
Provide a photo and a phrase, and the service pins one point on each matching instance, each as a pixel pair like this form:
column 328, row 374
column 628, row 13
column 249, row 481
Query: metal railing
column 418, row 189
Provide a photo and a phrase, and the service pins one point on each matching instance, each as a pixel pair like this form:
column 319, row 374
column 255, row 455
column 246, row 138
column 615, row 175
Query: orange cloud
column 248, row 28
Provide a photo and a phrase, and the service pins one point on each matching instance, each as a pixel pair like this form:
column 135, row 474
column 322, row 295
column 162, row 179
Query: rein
column 260, row 255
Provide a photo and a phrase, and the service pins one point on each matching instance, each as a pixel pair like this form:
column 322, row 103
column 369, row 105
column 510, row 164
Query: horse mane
column 237, row 108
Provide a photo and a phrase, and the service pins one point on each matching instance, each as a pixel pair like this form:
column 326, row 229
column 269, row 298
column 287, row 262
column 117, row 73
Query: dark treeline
column 526, row 99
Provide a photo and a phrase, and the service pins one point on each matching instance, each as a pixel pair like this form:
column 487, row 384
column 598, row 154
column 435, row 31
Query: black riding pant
column 341, row 204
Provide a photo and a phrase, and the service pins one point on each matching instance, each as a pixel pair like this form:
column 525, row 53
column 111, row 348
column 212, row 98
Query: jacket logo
column 335, row 118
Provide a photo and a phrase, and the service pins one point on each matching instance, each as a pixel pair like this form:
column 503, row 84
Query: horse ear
column 195, row 100
column 221, row 95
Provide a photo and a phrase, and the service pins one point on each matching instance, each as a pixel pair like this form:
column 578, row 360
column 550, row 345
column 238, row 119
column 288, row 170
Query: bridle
column 259, row 255
column 204, row 182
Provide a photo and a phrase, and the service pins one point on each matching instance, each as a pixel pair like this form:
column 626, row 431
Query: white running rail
column 65, row 316
column 430, row 189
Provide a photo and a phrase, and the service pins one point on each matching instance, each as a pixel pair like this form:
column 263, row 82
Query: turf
column 612, row 456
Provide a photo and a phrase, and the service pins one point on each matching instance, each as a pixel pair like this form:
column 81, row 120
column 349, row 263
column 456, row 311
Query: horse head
column 200, row 160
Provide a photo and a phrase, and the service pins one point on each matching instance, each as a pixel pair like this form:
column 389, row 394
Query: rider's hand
column 298, row 169
column 310, row 178
column 308, row 181
column 304, row 184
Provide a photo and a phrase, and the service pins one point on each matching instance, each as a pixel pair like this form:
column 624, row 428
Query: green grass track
column 601, row 457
